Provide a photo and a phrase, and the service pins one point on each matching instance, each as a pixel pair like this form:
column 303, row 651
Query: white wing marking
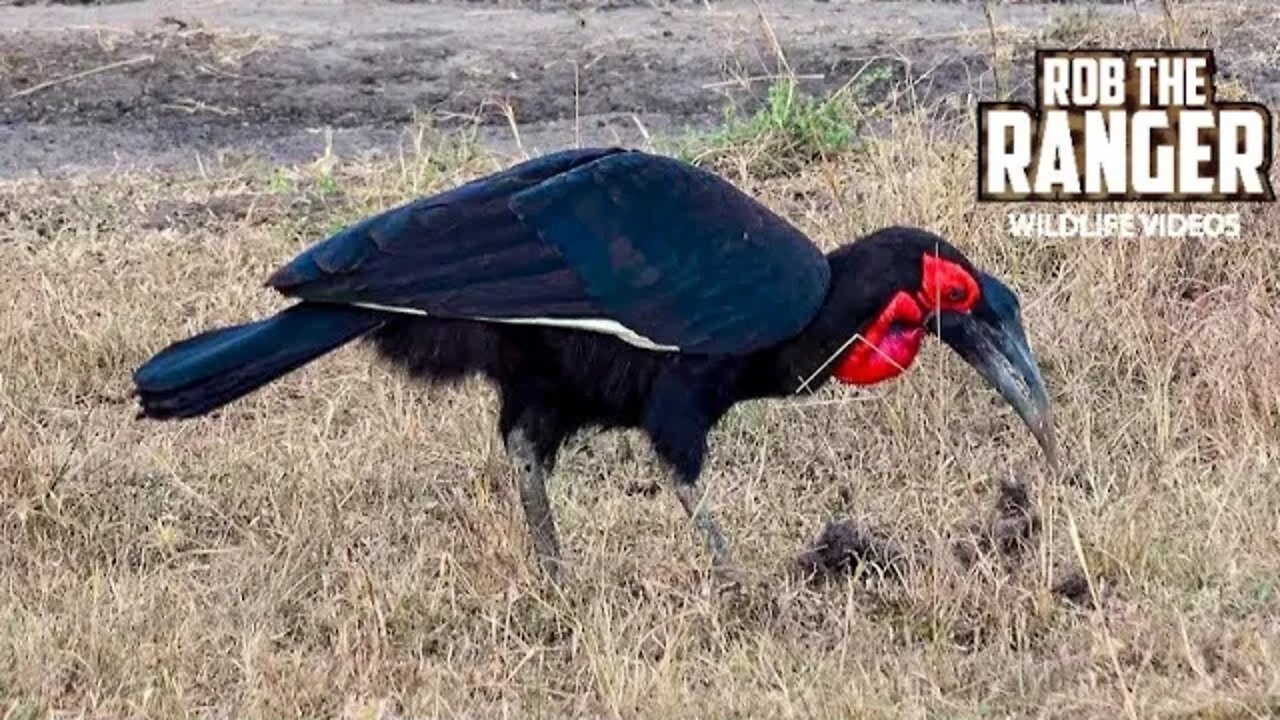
column 598, row 325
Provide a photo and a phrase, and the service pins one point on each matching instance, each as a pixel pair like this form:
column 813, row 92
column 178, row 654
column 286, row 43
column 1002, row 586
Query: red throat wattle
column 887, row 347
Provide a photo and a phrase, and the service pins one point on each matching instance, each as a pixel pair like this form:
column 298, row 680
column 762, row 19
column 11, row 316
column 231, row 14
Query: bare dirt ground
column 246, row 77
column 347, row 543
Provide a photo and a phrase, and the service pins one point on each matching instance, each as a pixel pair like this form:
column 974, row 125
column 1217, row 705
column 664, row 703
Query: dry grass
column 345, row 543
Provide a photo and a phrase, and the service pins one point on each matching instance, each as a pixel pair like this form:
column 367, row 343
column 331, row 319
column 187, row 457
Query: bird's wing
column 660, row 253
column 678, row 254
column 460, row 254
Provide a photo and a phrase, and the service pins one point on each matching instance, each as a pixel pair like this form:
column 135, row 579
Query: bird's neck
column 797, row 366
column 859, row 353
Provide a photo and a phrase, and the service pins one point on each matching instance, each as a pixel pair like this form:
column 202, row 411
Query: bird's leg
column 679, row 417
column 532, row 468
column 695, row 504
column 698, row 507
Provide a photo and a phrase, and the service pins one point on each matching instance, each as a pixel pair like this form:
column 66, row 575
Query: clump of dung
column 844, row 548
column 1010, row 534
column 1007, row 536
column 1075, row 589
column 1011, row 531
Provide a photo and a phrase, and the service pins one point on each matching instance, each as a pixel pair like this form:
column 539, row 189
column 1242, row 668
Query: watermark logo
column 1125, row 125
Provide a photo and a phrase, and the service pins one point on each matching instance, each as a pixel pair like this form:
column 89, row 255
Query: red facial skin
column 889, row 344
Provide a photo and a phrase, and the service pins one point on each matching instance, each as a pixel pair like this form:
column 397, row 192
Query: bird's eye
column 956, row 295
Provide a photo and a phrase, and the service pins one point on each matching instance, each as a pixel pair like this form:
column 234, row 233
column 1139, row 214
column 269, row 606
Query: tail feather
column 205, row 372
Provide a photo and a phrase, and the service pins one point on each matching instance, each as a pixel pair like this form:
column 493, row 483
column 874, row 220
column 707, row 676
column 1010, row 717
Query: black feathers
column 669, row 253
column 643, row 247
column 460, row 254
column 602, row 288
column 209, row 370
column 677, row 254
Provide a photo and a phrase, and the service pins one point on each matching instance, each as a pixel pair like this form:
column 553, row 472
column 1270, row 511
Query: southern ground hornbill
column 612, row 288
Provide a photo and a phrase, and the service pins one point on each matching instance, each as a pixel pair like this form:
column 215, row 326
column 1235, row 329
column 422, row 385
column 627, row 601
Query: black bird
column 613, row 288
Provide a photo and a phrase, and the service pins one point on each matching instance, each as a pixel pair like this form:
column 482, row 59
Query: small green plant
column 790, row 131
column 327, row 184
column 281, row 182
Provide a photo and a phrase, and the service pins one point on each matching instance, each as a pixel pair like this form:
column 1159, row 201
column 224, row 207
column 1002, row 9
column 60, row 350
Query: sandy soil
column 200, row 79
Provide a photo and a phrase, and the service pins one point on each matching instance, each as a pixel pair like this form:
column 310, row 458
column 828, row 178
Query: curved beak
column 991, row 339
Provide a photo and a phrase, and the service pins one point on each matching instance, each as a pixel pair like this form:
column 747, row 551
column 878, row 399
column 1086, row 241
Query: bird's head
column 899, row 285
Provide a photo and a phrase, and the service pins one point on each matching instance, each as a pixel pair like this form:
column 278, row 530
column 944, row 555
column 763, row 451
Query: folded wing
column 663, row 254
